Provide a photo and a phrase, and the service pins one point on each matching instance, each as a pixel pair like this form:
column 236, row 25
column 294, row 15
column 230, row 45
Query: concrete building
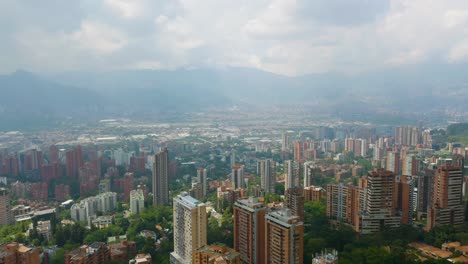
column 379, row 198
column 285, row 142
column 97, row 252
column 190, row 224
column 393, row 162
column 237, row 176
column 161, row 178
column 249, row 230
column 137, row 201
column 314, row 193
column 88, row 207
column 404, row 199
column 5, row 207
column 18, row 253
column 202, row 175
column 407, row 136
column 294, row 201
column 216, row 254
column 284, row 242
column 425, row 192
column 292, row 172
column 309, row 172
column 447, row 205
column 267, row 175
column 344, row 202
column 358, row 146
column 141, row 259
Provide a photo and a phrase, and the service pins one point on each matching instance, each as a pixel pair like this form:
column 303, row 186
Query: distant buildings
column 5, row 214
column 237, row 176
column 190, row 226
column 393, row 162
column 267, row 175
column 137, row 201
column 88, row 207
column 202, row 175
column 407, row 136
column 357, row 146
column 74, row 160
column 292, row 173
column 161, row 178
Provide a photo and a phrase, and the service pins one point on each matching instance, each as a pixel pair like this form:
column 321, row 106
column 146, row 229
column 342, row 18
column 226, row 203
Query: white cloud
column 127, row 8
column 284, row 36
column 98, row 37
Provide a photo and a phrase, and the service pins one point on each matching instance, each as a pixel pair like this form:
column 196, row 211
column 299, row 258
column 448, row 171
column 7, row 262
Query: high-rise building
column 137, row 201
column 233, row 158
column 407, row 136
column 249, row 230
column 284, row 241
column 393, row 162
column 404, row 199
column 447, row 205
column 201, row 177
column 190, row 224
column 379, row 198
column 5, row 214
column 53, row 154
column 298, row 150
column 358, row 146
column 309, row 171
column 292, row 171
column 314, row 193
column 267, row 175
column 74, row 161
column 425, row 192
column 161, row 178
column 344, row 202
column 285, row 142
column 294, row 201
column 410, row 165
column 237, row 176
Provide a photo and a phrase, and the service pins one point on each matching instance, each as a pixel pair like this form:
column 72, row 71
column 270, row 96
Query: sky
column 288, row 37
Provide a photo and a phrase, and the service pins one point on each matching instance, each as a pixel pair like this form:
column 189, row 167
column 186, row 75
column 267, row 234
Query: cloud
column 289, row 37
column 127, row 8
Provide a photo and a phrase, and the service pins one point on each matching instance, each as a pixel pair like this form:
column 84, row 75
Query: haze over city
column 232, row 132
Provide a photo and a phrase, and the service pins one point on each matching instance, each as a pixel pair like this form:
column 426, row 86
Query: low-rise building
column 216, row 254
column 141, row 259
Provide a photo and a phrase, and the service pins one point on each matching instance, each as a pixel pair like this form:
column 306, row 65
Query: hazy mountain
column 407, row 88
column 28, row 101
column 164, row 93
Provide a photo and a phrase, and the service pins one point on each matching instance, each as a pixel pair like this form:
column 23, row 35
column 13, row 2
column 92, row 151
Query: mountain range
column 34, row 99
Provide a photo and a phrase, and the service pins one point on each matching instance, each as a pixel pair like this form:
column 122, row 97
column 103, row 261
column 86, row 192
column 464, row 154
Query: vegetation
column 388, row 246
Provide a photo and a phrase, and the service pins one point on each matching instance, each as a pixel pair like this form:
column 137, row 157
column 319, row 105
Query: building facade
column 190, row 224
column 161, row 178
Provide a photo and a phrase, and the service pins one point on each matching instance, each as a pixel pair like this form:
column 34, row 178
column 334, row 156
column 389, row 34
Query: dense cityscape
column 233, row 132
column 124, row 191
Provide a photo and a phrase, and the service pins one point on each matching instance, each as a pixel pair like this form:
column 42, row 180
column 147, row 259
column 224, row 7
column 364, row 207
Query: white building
column 137, row 201
column 87, row 208
column 190, row 224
